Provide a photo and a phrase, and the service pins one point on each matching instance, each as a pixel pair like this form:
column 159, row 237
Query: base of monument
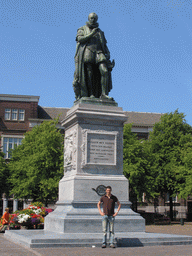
column 97, row 101
column 83, row 217
column 44, row 239
column 76, row 211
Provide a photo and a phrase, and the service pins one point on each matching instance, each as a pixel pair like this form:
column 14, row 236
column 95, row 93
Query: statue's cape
column 79, row 76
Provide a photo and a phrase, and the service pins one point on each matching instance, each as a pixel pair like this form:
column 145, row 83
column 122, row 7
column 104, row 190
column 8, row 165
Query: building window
column 174, row 198
column 21, row 114
column 9, row 143
column 7, row 114
column 14, row 114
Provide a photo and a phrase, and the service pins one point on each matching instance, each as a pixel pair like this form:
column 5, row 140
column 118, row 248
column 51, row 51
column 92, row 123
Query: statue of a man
column 93, row 67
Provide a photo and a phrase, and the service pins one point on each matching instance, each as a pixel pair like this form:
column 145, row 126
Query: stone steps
column 43, row 239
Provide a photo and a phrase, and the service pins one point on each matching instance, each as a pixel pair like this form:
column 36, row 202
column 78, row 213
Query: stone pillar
column 25, row 205
column 15, row 205
column 5, row 203
column 93, row 158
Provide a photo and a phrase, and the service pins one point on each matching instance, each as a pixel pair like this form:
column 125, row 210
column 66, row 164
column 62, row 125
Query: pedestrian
column 108, row 215
column 5, row 220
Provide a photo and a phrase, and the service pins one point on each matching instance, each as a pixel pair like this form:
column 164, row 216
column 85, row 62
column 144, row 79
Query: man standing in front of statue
column 92, row 76
column 108, row 215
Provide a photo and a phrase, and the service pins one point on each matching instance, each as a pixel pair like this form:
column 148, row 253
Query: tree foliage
column 4, row 175
column 167, row 142
column 184, row 171
column 37, row 164
column 162, row 164
column 137, row 164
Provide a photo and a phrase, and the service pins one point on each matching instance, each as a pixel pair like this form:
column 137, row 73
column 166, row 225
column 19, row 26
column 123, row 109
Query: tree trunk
column 171, row 207
column 46, row 203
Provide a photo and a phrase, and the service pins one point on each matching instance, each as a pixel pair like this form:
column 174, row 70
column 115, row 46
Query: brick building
column 20, row 113
column 15, row 113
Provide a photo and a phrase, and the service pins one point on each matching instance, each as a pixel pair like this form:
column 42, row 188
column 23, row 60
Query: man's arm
column 99, row 208
column 118, row 209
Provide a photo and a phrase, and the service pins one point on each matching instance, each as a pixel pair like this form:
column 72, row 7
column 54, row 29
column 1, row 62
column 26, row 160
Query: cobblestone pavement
column 11, row 249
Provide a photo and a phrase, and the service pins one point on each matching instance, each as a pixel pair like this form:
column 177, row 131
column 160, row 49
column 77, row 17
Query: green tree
column 4, row 176
column 184, row 171
column 167, row 141
column 137, row 166
column 37, row 164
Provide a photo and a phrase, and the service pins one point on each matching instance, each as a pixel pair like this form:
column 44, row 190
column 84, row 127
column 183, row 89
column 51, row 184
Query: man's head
column 7, row 209
column 92, row 18
column 108, row 190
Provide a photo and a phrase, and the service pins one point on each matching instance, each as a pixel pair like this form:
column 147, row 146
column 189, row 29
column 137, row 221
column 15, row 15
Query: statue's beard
column 95, row 25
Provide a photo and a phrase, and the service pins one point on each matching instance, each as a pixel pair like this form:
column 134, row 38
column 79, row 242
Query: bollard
column 182, row 221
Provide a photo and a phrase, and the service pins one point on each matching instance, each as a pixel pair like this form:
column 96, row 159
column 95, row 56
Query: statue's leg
column 104, row 78
column 89, row 71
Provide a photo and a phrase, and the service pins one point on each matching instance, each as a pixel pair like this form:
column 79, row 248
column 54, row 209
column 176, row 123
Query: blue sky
column 150, row 40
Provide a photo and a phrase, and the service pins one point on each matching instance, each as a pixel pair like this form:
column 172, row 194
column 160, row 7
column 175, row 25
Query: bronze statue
column 92, row 77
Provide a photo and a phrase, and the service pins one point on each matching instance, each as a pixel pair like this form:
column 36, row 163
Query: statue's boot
column 104, row 85
column 103, row 96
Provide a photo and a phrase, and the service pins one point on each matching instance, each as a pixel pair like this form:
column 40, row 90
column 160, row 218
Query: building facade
column 15, row 114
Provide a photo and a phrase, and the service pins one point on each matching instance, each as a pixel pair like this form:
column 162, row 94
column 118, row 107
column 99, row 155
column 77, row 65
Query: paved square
column 12, row 249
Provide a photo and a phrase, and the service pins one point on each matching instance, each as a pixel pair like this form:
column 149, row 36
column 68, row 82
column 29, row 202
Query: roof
column 15, row 97
column 142, row 118
column 51, row 113
column 137, row 118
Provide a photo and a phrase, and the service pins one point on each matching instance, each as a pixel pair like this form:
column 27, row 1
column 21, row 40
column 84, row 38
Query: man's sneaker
column 103, row 246
column 112, row 246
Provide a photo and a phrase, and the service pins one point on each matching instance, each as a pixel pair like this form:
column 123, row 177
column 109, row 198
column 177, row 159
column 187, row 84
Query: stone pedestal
column 93, row 159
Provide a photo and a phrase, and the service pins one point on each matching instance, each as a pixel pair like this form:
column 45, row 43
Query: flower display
column 23, row 218
column 35, row 209
column 32, row 216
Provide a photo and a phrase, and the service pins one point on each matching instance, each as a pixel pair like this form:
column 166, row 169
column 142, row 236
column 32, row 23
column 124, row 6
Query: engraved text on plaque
column 101, row 149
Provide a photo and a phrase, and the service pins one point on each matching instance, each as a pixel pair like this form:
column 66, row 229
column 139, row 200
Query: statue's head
column 92, row 18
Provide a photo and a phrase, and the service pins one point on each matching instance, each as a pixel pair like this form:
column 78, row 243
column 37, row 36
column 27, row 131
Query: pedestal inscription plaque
column 101, row 149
